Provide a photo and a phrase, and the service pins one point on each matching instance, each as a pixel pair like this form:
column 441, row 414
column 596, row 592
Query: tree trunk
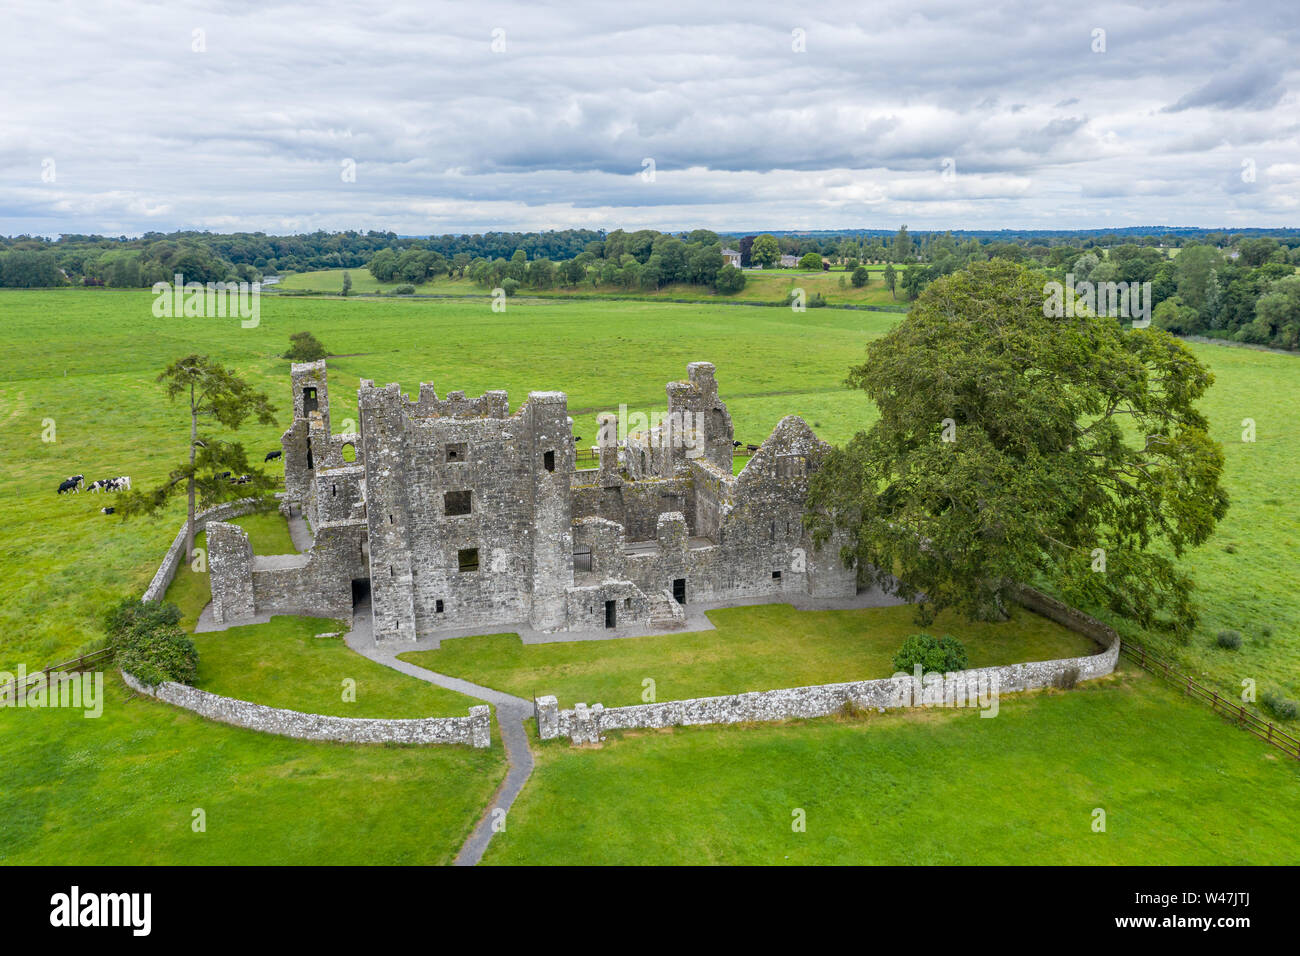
column 189, row 514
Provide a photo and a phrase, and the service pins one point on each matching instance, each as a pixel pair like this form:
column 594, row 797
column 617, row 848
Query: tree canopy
column 1013, row 447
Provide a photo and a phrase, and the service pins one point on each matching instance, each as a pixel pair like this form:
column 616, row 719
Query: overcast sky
column 123, row 116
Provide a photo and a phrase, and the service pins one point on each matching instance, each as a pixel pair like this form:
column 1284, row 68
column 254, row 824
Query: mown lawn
column 283, row 664
column 754, row 648
column 122, row 789
column 1176, row 784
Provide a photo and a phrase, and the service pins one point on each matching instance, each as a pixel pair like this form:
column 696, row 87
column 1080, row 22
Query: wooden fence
column 1223, row 706
column 17, row 690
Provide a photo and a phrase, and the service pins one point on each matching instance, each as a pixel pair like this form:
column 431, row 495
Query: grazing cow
column 99, row 485
column 272, row 455
column 736, row 444
column 107, row 511
column 69, row 485
column 242, row 480
column 751, row 448
column 120, row 483
column 577, row 438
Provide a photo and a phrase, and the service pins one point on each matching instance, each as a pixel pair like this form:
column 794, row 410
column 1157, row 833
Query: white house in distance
column 730, row 257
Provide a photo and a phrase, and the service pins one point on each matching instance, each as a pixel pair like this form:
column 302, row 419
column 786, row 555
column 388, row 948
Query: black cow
column 272, row 455
column 107, row 511
column 751, row 448
column 72, row 485
column 736, row 444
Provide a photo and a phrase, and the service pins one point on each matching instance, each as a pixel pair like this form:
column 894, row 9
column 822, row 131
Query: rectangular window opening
column 548, row 461
column 467, row 559
column 456, row 451
column 437, row 606
column 457, row 502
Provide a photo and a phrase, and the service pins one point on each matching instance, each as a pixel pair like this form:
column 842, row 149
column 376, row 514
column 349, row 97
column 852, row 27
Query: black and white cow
column 70, row 485
column 107, row 511
column 241, row 480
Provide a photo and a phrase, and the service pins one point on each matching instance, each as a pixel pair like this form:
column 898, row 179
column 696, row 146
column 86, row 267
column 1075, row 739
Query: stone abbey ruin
column 454, row 513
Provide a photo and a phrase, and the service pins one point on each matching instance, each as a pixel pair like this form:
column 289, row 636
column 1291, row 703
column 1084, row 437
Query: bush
column 165, row 653
column 1229, row 640
column 404, row 290
column 305, row 347
column 1279, row 706
column 150, row 643
column 861, row 277
column 730, row 280
column 934, row 654
column 510, row 286
column 131, row 614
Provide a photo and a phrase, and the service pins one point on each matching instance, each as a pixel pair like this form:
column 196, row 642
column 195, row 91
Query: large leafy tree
column 214, row 395
column 1014, row 447
column 766, row 251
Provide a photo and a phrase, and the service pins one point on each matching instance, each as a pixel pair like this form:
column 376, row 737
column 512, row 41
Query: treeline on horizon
column 1240, row 285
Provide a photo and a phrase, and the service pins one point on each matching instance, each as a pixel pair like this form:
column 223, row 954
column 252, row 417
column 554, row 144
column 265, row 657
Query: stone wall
column 175, row 556
column 474, row 730
column 585, row 724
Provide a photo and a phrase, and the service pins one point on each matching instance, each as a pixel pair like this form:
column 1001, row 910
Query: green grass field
column 932, row 787
column 77, row 395
column 122, row 789
column 769, row 285
column 754, row 648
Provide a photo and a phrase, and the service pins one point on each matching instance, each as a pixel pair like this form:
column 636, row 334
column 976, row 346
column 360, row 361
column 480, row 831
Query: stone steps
column 665, row 612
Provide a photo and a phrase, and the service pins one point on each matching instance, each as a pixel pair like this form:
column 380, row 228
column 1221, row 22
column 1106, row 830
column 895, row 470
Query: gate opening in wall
column 679, row 590
column 611, row 614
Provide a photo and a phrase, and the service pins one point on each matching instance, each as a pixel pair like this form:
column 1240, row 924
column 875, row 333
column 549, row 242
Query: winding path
column 511, row 712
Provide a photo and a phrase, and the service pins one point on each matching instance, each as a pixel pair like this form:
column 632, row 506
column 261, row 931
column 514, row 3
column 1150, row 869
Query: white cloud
column 745, row 132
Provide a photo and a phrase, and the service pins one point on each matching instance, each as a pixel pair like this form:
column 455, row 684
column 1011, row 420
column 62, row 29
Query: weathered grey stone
column 474, row 730
column 454, row 513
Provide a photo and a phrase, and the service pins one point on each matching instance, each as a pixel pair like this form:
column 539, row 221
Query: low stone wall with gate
column 977, row 687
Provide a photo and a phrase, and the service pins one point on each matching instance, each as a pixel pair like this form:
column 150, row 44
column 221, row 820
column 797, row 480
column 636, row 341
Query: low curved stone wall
column 976, row 688
column 175, row 556
column 474, row 730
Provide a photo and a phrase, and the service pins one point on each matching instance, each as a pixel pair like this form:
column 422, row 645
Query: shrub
column 164, row 653
column 131, row 614
column 861, row 277
column 934, row 654
column 150, row 643
column 730, row 280
column 404, row 290
column 1229, row 640
column 1279, row 706
column 305, row 347
column 510, row 286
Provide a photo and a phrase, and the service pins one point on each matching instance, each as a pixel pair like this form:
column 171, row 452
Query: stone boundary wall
column 585, row 724
column 474, row 730
column 175, row 554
